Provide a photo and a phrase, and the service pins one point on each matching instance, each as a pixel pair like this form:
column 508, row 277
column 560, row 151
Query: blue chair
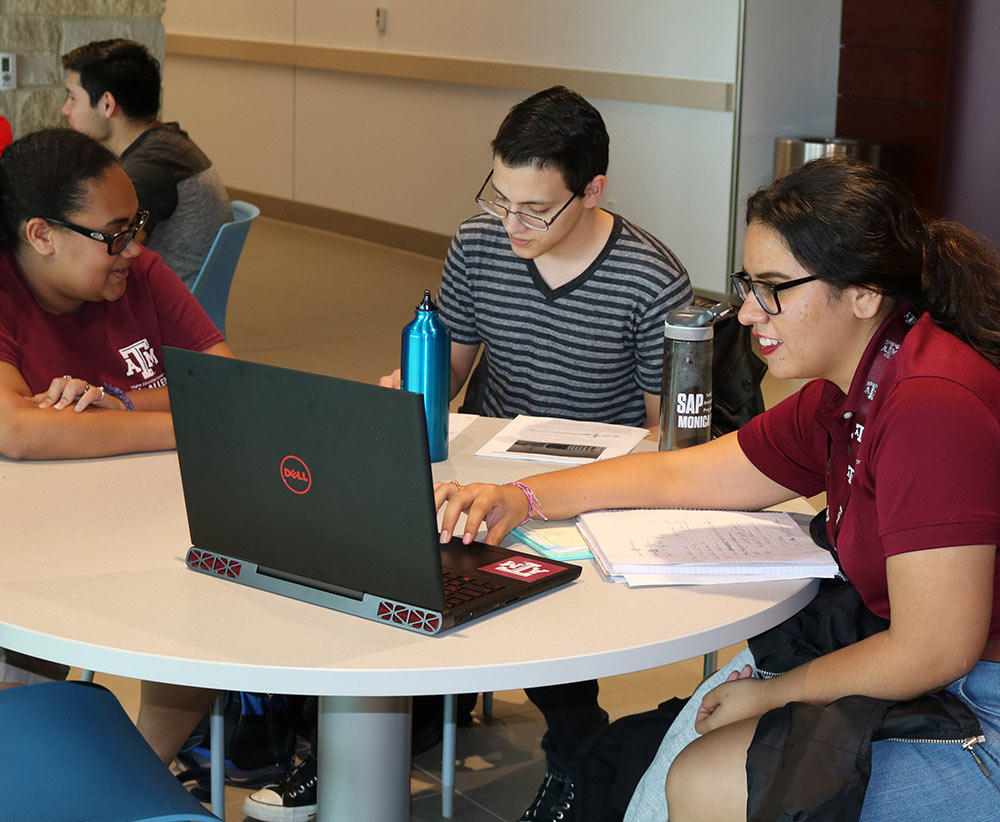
column 211, row 287
column 70, row 752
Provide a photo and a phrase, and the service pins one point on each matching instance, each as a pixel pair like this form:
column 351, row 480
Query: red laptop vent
column 415, row 618
column 205, row 561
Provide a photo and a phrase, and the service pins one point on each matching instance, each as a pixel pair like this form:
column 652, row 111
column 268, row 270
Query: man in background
column 113, row 95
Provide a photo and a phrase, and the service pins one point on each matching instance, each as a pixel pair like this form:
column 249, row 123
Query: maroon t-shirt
column 928, row 460
column 119, row 343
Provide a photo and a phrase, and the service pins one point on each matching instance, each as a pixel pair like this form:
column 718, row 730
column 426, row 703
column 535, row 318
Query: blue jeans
column 934, row 781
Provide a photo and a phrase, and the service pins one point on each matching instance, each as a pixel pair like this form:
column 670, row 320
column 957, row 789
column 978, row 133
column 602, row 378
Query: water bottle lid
column 427, row 304
column 689, row 323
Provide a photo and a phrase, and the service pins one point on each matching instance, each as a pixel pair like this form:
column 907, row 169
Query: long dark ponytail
column 852, row 224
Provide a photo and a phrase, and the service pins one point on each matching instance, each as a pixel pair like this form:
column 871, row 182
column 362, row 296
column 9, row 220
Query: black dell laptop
column 320, row 489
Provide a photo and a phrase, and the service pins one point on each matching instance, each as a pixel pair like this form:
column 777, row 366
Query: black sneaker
column 554, row 801
column 291, row 799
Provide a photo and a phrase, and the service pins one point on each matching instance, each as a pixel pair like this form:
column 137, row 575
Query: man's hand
column 391, row 380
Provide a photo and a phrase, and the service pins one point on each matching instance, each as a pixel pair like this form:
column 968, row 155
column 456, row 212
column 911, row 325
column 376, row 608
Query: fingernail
column 466, row 538
column 445, row 537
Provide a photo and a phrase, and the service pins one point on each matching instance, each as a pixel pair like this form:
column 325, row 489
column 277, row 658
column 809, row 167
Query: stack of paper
column 674, row 547
column 549, row 439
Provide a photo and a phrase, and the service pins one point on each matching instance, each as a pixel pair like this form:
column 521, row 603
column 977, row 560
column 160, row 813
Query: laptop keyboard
column 460, row 589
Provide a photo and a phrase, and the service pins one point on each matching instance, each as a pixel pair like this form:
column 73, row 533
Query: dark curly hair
column 43, row 175
column 850, row 223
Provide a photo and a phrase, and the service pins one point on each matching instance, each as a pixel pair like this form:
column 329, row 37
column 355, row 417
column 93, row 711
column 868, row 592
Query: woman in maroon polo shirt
column 898, row 324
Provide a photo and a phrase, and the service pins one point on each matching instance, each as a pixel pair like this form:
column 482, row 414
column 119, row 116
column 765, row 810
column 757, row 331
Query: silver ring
column 101, row 388
column 86, row 388
column 67, row 377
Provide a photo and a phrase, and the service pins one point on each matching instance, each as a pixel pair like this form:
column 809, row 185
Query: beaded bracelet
column 533, row 506
column 117, row 393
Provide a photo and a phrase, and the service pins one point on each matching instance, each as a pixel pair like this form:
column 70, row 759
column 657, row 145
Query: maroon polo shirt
column 928, row 462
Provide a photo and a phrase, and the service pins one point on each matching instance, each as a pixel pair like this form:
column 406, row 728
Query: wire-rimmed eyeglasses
column 766, row 293
column 116, row 242
column 531, row 221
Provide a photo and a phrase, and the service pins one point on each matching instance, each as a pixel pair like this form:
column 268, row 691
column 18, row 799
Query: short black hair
column 555, row 128
column 44, row 174
column 123, row 67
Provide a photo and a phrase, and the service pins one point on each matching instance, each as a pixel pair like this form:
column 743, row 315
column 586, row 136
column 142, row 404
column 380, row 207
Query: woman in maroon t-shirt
column 69, row 248
column 835, row 255
column 69, row 251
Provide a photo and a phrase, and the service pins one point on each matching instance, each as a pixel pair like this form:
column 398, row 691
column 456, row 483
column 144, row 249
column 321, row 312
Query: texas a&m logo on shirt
column 139, row 359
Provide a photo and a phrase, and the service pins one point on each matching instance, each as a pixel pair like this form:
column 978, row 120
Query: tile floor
column 316, row 301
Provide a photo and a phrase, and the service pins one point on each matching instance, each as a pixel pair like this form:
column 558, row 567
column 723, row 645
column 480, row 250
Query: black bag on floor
column 615, row 758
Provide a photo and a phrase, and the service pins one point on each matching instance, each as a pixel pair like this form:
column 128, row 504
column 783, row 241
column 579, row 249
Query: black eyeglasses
column 766, row 293
column 116, row 242
column 527, row 220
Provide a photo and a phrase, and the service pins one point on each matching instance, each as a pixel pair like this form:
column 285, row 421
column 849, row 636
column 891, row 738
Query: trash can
column 792, row 152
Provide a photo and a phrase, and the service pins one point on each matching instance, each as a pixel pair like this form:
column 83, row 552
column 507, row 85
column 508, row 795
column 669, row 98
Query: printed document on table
column 762, row 544
column 571, row 442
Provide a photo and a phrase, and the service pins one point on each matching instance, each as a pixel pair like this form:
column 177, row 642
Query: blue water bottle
column 426, row 369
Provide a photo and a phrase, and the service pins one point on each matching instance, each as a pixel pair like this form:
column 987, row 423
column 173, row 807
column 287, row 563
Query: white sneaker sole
column 266, row 812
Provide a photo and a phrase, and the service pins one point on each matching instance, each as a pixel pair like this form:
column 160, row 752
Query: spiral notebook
column 694, row 546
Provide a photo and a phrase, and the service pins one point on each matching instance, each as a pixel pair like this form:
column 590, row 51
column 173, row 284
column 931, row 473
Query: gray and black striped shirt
column 586, row 350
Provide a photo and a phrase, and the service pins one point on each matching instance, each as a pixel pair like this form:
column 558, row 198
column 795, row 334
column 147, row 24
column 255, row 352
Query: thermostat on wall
column 8, row 70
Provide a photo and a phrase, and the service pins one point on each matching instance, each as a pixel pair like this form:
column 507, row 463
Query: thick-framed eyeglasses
column 116, row 242
column 766, row 293
column 527, row 220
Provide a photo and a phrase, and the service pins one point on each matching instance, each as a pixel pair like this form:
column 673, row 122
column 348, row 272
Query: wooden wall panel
column 896, row 24
column 917, row 76
column 894, row 123
column 893, row 84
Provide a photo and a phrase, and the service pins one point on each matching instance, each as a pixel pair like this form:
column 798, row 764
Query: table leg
column 364, row 759
column 710, row 664
column 217, row 755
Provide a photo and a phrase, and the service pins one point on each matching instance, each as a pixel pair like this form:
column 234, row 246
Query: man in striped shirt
column 568, row 299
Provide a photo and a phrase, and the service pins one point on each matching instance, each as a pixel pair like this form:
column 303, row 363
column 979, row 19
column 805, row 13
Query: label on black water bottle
column 693, row 410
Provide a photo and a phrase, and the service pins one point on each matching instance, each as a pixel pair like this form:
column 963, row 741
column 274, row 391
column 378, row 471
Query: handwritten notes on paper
column 689, row 547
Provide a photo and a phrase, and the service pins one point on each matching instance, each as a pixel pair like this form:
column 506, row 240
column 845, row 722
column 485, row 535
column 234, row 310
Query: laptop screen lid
column 318, row 478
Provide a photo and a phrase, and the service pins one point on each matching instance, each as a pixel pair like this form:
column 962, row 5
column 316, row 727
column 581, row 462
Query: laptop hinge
column 310, row 583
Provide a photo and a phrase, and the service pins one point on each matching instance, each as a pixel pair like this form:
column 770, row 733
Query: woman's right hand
column 501, row 507
column 68, row 390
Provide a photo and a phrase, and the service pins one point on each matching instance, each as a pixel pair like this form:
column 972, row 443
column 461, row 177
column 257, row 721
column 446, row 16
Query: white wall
column 414, row 152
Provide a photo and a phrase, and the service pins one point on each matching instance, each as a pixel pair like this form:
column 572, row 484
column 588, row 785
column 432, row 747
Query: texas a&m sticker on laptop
column 523, row 568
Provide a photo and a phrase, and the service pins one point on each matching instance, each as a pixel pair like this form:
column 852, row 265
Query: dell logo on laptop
column 295, row 474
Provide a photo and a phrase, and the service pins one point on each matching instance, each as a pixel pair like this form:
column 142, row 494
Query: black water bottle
column 686, row 398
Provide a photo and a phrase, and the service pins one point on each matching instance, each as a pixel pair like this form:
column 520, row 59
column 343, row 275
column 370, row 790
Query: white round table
column 92, row 574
